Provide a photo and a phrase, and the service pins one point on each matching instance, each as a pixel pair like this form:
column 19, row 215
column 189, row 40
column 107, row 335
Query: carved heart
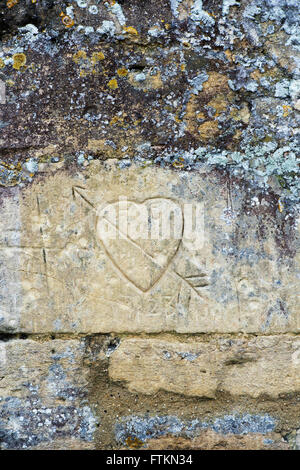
column 141, row 239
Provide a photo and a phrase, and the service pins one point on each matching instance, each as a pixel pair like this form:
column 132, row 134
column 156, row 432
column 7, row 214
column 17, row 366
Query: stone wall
column 127, row 338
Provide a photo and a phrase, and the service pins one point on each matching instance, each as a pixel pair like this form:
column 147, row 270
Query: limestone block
column 248, row 367
column 72, row 268
column 43, row 395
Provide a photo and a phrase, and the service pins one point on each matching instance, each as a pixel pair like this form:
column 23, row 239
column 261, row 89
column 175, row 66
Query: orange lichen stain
column 190, row 115
column 280, row 206
column 115, row 120
column 80, row 55
column 2, row 64
column 134, row 442
column 97, row 56
column 256, row 75
column 11, row 3
column 182, row 67
column 113, row 84
column 122, row 72
column 229, row 55
column 200, row 115
column 215, row 82
column 179, row 163
column 219, row 104
column 167, row 26
column 209, row 129
column 130, row 30
column 67, row 21
column 19, row 61
column 286, row 110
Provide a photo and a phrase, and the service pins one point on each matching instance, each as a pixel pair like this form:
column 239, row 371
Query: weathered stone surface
column 173, row 82
column 43, row 395
column 225, row 432
column 253, row 367
column 239, row 274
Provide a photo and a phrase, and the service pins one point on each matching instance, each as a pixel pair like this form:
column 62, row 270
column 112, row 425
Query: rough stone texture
column 263, row 365
column 241, row 275
column 133, row 342
column 43, row 395
column 181, row 83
